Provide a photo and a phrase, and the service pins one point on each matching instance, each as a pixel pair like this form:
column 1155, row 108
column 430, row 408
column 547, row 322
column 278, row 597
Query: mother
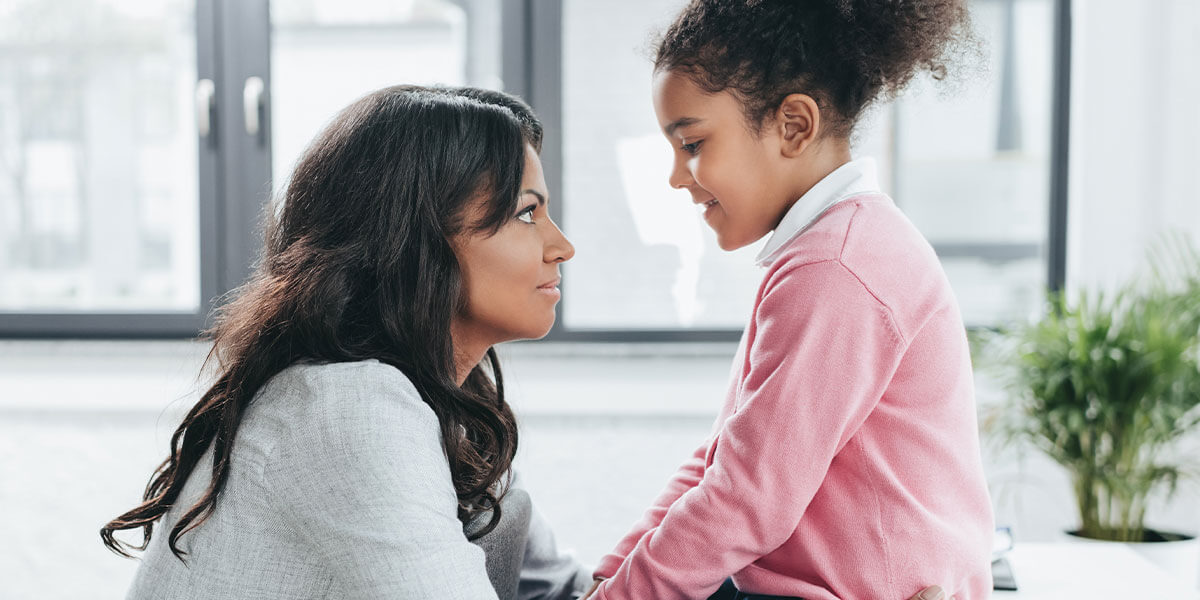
column 356, row 439
column 358, row 418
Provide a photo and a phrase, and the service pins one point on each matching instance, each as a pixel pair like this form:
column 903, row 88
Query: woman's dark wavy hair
column 358, row 265
column 845, row 54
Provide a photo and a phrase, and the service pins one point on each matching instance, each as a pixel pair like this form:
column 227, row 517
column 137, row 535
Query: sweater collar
column 854, row 178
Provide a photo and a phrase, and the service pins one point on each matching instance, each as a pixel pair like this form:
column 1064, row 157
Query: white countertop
column 1068, row 571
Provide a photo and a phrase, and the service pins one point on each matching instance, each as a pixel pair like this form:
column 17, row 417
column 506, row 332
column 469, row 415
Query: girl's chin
column 730, row 241
column 729, row 244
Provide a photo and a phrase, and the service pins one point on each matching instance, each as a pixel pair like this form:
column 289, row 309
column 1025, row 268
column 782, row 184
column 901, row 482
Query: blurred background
column 141, row 139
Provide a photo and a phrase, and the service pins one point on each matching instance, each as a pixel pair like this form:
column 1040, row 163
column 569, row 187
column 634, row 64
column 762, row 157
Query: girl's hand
column 933, row 592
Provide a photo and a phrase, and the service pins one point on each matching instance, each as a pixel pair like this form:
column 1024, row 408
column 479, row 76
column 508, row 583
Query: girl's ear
column 798, row 122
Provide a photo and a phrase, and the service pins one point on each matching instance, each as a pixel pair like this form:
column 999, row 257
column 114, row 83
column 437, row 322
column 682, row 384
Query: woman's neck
column 469, row 351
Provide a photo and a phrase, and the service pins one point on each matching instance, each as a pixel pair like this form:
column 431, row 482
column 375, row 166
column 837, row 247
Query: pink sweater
column 845, row 462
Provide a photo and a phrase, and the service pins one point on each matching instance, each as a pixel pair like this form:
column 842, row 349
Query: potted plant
column 1106, row 385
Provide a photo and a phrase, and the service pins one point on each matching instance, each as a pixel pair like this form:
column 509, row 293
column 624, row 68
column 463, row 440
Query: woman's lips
column 551, row 288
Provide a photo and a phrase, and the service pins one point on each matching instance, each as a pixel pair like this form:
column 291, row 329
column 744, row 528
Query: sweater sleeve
column 548, row 573
column 685, row 478
column 822, row 351
column 363, row 477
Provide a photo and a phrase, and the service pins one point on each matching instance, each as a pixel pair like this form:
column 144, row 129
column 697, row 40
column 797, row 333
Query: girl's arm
column 685, row 478
column 822, row 350
column 933, row 592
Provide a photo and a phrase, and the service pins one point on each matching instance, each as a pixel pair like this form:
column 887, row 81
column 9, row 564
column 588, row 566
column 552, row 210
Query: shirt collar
column 851, row 179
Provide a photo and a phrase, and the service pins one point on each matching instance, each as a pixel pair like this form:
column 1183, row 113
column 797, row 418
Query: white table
column 1067, row 571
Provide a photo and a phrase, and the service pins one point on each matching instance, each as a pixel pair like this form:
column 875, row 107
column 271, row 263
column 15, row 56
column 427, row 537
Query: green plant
column 1105, row 385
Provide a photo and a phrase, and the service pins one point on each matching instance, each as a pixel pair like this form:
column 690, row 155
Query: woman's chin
column 532, row 332
column 544, row 329
column 542, row 332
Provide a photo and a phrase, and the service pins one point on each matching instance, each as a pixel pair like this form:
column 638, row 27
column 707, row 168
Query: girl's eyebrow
column 681, row 122
column 541, row 199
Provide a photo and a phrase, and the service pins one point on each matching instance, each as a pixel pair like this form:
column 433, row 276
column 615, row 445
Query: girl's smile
column 743, row 177
column 730, row 172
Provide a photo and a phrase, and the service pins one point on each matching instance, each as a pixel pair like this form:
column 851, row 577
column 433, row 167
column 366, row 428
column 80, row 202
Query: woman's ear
column 798, row 122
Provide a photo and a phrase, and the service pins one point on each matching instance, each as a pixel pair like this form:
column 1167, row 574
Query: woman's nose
column 558, row 248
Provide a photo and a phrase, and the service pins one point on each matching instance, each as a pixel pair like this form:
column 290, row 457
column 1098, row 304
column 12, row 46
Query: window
column 140, row 139
column 644, row 259
column 98, row 179
column 327, row 53
column 972, row 169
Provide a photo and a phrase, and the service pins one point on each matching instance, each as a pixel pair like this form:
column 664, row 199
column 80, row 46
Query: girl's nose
column 680, row 177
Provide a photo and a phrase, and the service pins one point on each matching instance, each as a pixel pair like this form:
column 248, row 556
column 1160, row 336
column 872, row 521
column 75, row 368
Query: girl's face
column 735, row 176
column 511, row 278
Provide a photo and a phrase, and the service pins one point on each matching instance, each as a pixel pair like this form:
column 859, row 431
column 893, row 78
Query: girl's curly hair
column 845, row 54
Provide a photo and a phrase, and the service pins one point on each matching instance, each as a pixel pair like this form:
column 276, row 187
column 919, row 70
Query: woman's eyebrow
column 540, row 197
column 681, row 122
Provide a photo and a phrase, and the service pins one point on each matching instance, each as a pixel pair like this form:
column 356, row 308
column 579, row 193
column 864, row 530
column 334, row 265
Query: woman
column 354, row 426
column 356, row 440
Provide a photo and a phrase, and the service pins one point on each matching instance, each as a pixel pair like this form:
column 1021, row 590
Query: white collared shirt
column 851, row 179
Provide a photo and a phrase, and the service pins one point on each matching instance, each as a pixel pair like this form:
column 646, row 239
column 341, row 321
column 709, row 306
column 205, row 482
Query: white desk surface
column 1069, row 571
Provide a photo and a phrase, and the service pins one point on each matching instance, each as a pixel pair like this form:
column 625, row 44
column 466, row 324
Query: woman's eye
column 526, row 215
column 691, row 148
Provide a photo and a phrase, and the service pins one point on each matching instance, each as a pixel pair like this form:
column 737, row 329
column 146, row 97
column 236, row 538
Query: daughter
column 845, row 461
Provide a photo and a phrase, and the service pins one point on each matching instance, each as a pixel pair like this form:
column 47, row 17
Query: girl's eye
column 691, row 148
column 526, row 214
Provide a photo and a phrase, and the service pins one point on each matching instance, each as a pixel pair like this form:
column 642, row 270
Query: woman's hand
column 933, row 592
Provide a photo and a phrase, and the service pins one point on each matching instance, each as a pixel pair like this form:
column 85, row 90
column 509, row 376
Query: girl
column 354, row 438
column 845, row 462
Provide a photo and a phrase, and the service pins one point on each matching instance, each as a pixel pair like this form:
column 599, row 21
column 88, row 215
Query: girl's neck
column 822, row 159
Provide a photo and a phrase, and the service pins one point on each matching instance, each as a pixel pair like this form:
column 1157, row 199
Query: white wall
column 1135, row 147
column 1135, row 156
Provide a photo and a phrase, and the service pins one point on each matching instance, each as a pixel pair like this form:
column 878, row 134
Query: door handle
column 205, row 93
column 252, row 104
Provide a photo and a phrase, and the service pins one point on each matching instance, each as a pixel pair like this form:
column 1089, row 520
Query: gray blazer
column 339, row 488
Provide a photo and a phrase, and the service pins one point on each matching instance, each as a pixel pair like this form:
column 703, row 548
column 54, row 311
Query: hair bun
column 846, row 54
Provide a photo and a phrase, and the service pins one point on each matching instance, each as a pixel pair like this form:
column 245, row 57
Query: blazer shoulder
column 334, row 393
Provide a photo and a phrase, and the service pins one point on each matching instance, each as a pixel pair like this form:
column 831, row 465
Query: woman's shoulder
column 365, row 379
column 334, row 418
column 325, row 397
column 358, row 375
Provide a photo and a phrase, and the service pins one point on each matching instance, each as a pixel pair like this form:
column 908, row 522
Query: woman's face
column 511, row 278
